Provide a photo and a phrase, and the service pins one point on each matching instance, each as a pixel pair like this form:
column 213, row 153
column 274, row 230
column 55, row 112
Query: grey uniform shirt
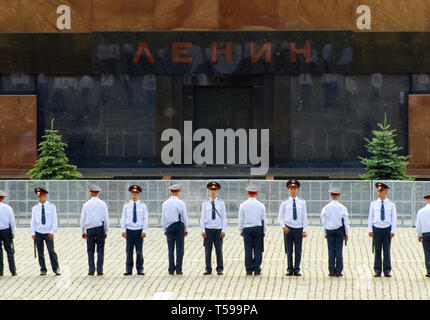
column 94, row 214
column 206, row 220
column 141, row 215
column 170, row 211
column 332, row 215
column 423, row 221
column 286, row 217
column 7, row 219
column 51, row 222
column 375, row 215
column 252, row 213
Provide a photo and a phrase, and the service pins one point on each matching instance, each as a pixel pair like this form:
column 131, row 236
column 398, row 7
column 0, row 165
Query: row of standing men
column 251, row 220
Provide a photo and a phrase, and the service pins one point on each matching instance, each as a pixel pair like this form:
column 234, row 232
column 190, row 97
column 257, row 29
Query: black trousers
column 335, row 246
column 293, row 238
column 40, row 239
column 95, row 236
column 253, row 241
column 6, row 240
column 426, row 247
column 213, row 239
column 175, row 238
column 382, row 240
column 134, row 241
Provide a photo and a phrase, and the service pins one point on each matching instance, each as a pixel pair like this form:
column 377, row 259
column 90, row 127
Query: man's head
column 135, row 191
column 41, row 194
column 175, row 190
column 94, row 190
column 334, row 193
column 252, row 191
column 293, row 187
column 213, row 189
column 2, row 195
column 382, row 190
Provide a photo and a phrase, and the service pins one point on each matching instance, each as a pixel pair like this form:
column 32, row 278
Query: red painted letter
column 179, row 48
column 226, row 51
column 306, row 51
column 143, row 46
column 256, row 56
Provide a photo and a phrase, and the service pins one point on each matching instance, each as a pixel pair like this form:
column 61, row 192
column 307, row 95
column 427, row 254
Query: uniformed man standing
column 7, row 233
column 94, row 227
column 133, row 224
column 44, row 224
column 382, row 227
column 334, row 218
column 423, row 231
column 252, row 226
column 174, row 220
column 293, row 220
column 213, row 223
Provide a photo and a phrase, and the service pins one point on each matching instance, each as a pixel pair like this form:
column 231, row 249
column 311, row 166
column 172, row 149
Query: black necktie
column 213, row 210
column 43, row 215
column 382, row 211
column 294, row 210
column 134, row 213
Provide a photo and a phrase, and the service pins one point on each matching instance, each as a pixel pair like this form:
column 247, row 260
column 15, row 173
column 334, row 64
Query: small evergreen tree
column 385, row 164
column 53, row 163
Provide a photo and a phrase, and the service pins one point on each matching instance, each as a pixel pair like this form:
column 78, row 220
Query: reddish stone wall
column 89, row 15
column 419, row 131
column 18, row 132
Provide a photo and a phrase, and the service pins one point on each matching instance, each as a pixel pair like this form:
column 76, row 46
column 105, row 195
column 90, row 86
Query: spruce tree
column 385, row 163
column 53, row 163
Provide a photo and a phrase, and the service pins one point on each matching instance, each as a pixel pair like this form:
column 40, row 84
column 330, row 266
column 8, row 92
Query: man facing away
column 174, row 220
column 94, row 228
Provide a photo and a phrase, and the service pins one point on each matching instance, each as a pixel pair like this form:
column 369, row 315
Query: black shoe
column 387, row 275
column 377, row 275
column 141, row 273
column 331, row 275
column 171, row 273
column 249, row 273
column 99, row 273
column 207, row 273
column 58, row 273
column 43, row 273
column 297, row 274
column 428, row 275
column 257, row 273
column 1, row 274
column 289, row 274
column 179, row 273
column 339, row 275
column 127, row 273
column 14, row 274
column 90, row 273
column 220, row 273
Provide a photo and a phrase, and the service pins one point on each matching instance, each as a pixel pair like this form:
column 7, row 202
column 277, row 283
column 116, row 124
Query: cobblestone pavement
column 408, row 281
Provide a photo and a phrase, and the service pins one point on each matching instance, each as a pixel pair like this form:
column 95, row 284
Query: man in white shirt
column 7, row 233
column 133, row 225
column 334, row 218
column 382, row 227
column 94, row 228
column 212, row 224
column 44, row 224
column 293, row 220
column 174, row 220
column 252, row 227
column 423, row 231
